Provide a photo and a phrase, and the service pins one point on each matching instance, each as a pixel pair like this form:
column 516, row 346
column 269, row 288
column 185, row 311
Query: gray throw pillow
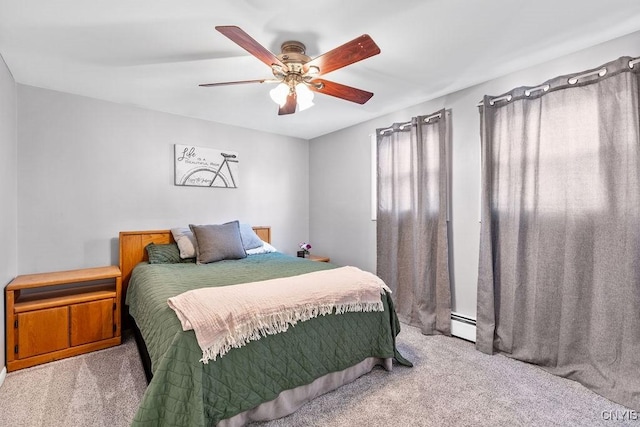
column 250, row 239
column 217, row 242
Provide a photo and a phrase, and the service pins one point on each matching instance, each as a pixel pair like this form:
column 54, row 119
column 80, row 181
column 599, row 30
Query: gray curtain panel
column 559, row 271
column 412, row 255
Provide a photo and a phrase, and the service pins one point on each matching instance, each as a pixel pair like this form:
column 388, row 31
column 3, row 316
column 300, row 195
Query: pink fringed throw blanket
column 229, row 317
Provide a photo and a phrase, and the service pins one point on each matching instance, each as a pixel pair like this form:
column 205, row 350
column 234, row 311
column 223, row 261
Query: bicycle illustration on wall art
column 205, row 167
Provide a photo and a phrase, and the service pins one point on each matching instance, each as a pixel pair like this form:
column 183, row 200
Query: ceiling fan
column 298, row 74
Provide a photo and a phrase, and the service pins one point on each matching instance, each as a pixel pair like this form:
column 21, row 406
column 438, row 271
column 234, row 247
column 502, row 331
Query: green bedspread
column 186, row 392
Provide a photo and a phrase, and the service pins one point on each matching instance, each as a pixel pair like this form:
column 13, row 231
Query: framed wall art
column 205, row 167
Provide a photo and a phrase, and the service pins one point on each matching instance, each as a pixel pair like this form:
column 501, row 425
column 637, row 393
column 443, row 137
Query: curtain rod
column 403, row 125
column 572, row 80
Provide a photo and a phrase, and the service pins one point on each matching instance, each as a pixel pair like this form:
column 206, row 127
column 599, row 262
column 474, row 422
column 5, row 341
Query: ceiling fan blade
column 290, row 106
column 241, row 82
column 356, row 50
column 245, row 41
column 338, row 90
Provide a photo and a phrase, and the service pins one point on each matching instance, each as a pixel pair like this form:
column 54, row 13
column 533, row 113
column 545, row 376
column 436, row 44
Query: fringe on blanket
column 279, row 322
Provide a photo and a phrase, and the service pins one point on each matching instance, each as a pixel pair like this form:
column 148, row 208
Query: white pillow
column 186, row 242
column 264, row 249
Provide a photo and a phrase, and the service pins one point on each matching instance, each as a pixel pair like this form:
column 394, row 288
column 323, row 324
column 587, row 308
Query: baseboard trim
column 463, row 327
column 3, row 374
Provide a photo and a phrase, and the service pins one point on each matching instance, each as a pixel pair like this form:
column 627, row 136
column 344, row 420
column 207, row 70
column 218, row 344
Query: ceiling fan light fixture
column 305, row 97
column 279, row 94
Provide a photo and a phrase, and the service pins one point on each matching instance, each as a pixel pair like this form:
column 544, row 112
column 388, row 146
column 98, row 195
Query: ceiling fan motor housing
column 293, row 56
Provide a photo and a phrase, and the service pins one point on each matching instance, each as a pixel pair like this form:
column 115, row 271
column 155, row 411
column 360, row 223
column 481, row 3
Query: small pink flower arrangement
column 305, row 247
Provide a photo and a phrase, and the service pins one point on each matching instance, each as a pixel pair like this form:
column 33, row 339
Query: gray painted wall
column 340, row 221
column 88, row 169
column 8, row 187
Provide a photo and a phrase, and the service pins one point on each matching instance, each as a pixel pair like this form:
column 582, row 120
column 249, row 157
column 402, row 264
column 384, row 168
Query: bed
column 266, row 378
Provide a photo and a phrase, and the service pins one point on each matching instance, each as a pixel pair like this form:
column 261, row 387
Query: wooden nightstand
column 51, row 316
column 318, row 258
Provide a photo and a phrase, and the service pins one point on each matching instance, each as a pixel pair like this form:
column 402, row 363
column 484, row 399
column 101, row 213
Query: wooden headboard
column 132, row 244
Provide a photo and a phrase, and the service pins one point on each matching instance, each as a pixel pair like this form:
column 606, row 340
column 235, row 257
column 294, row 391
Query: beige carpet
column 102, row 388
column 451, row 384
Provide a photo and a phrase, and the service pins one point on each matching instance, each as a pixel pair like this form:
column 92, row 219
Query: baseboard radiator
column 463, row 327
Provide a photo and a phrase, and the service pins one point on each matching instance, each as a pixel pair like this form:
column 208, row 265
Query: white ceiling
column 154, row 53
